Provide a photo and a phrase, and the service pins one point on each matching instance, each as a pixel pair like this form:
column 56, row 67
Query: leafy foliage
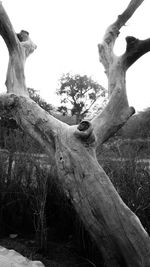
column 78, row 94
column 41, row 102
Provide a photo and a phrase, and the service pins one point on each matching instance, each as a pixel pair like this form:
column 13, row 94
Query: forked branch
column 117, row 111
column 106, row 54
column 36, row 121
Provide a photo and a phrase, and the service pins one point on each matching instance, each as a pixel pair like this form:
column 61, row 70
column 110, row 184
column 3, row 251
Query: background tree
column 78, row 94
column 34, row 95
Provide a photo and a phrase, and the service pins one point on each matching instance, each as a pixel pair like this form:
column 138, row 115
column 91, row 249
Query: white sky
column 67, row 33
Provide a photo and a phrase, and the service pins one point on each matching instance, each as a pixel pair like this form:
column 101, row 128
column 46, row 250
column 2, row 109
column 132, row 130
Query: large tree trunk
column 116, row 230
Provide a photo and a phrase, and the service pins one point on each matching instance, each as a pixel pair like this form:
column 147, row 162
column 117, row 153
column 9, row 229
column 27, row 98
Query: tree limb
column 39, row 124
column 117, row 111
column 106, row 48
column 18, row 52
column 7, row 31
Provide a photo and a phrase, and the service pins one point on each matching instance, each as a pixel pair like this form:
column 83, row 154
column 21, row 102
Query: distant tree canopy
column 78, row 94
column 41, row 102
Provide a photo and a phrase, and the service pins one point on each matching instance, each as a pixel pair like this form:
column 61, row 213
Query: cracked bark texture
column 115, row 229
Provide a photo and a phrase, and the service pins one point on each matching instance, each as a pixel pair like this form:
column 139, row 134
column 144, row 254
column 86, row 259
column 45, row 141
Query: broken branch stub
column 135, row 48
column 85, row 132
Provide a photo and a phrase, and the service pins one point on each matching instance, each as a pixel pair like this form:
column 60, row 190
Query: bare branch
column 106, row 48
column 7, row 31
column 117, row 111
column 110, row 120
column 36, row 121
column 33, row 119
column 19, row 50
column 127, row 14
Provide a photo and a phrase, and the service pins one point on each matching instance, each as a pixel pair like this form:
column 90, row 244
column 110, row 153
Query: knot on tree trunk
column 23, row 36
column 85, row 132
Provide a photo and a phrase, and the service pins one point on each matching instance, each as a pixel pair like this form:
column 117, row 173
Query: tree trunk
column 116, row 230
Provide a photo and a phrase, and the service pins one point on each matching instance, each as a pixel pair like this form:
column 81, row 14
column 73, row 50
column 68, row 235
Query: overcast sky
column 67, row 33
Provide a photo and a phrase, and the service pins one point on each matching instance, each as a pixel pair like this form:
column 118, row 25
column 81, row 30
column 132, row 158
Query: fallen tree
column 115, row 229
